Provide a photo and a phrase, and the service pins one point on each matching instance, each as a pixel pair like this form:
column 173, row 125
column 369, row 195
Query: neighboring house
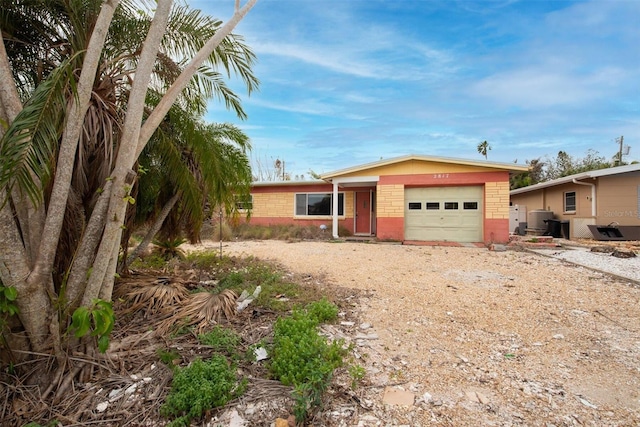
column 586, row 200
column 409, row 198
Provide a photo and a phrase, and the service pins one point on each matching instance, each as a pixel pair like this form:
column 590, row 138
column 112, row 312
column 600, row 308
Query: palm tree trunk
column 135, row 137
column 87, row 249
column 123, row 176
column 68, row 146
column 164, row 213
column 33, row 301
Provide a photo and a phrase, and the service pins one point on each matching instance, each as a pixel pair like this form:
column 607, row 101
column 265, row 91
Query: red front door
column 363, row 212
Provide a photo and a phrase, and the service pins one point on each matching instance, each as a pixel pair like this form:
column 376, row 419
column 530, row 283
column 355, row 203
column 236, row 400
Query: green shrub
column 323, row 311
column 221, row 340
column 168, row 356
column 152, row 261
column 303, row 358
column 199, row 387
column 209, row 260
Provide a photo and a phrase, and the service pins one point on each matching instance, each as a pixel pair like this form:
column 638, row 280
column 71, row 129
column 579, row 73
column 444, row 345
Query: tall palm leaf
column 52, row 33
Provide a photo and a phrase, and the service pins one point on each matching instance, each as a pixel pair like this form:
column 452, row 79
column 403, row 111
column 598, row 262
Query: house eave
column 511, row 167
column 589, row 175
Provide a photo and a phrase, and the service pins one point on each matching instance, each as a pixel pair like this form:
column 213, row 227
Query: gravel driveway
column 468, row 336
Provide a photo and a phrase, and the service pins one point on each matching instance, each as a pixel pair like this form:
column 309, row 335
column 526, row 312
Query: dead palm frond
column 204, row 309
column 154, row 296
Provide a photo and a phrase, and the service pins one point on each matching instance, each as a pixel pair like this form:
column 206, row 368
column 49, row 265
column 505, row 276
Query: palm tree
column 187, row 165
column 65, row 55
column 483, row 148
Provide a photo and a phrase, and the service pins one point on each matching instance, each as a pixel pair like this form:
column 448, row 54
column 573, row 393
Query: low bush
column 199, row 387
column 222, row 340
column 301, row 357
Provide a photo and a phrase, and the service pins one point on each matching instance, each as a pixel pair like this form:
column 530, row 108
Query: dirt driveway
column 466, row 336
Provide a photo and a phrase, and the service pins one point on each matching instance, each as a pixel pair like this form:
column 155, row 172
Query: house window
column 244, row 202
column 433, row 206
column 570, row 201
column 470, row 206
column 415, row 206
column 451, row 206
column 317, row 204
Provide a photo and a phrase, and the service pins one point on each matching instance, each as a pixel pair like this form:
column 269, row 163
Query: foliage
column 99, row 319
column 323, row 311
column 8, row 296
column 8, row 306
column 303, row 358
column 72, row 112
column 210, row 260
column 221, row 340
column 285, row 232
column 168, row 356
column 533, row 176
column 151, row 261
column 563, row 164
column 170, row 248
column 199, row 387
column 483, row 148
column 357, row 373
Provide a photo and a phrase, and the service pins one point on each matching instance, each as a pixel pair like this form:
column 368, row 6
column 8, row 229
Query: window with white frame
column 317, row 204
column 244, row 202
column 570, row 201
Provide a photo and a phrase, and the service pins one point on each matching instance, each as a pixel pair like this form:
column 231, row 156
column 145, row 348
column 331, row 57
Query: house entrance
column 363, row 204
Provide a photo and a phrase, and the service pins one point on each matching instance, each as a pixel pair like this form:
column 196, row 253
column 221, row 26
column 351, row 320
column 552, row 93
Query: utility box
column 517, row 216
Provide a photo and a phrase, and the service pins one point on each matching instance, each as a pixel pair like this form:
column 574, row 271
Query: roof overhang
column 355, row 181
column 511, row 167
column 589, row 175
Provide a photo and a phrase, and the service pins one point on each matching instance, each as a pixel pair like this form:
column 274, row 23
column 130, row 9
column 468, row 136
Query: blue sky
column 347, row 82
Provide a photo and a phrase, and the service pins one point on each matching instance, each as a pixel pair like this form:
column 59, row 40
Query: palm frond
column 27, row 150
column 153, row 295
column 204, row 309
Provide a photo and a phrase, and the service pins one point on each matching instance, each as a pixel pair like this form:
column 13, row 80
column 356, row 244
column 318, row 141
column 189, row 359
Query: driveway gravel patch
column 482, row 337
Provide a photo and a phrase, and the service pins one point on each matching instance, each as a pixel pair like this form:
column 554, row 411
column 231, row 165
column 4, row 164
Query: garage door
column 452, row 214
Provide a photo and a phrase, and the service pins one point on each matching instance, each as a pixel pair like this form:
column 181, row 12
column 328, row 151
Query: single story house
column 602, row 204
column 408, row 198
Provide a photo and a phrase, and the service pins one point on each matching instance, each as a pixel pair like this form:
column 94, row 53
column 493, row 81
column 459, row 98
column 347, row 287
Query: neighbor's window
column 415, row 206
column 433, row 206
column 451, row 205
column 570, row 201
column 470, row 206
column 244, row 202
column 317, row 204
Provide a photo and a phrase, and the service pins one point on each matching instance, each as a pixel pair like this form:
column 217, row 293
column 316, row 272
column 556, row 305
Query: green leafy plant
column 97, row 319
column 221, row 339
column 8, row 296
column 170, row 248
column 357, row 373
column 323, row 311
column 168, row 356
column 303, row 358
column 152, row 261
column 199, row 387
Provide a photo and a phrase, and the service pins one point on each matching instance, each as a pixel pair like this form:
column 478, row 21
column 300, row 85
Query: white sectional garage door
column 452, row 214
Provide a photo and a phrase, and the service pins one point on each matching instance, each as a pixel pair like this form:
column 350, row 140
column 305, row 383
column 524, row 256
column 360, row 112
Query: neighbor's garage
column 451, row 214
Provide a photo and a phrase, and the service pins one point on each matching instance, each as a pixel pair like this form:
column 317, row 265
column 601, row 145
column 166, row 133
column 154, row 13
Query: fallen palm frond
column 153, row 295
column 203, row 309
